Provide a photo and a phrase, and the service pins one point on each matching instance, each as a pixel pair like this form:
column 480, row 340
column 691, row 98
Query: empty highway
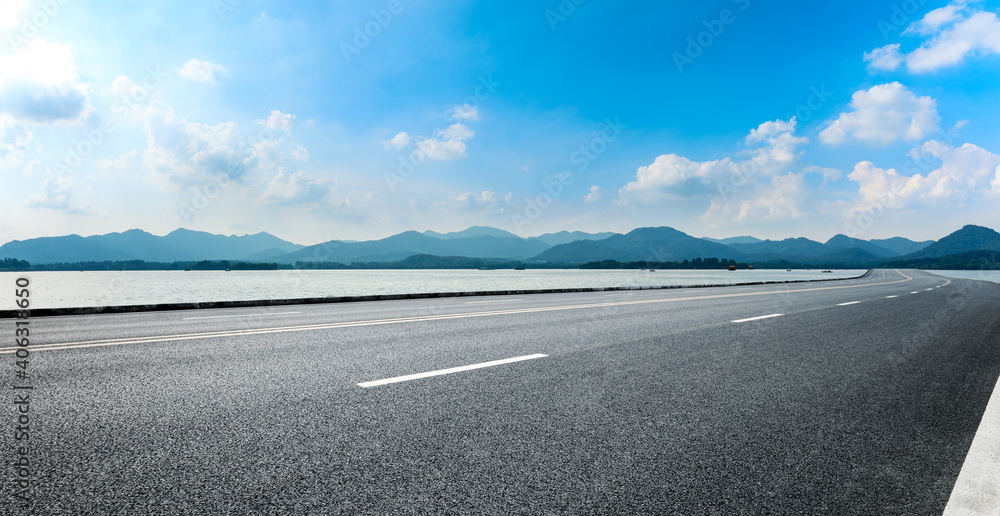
column 844, row 397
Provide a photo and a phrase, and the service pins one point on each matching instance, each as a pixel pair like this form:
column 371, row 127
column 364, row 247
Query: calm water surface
column 993, row 276
column 71, row 289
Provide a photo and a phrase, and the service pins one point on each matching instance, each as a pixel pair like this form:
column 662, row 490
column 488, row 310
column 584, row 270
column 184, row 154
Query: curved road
column 847, row 397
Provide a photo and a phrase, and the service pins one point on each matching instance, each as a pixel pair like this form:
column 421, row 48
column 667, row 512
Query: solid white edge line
column 759, row 317
column 849, row 303
column 245, row 315
column 975, row 490
column 439, row 372
column 497, row 301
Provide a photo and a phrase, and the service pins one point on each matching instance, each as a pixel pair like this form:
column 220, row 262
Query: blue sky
column 357, row 120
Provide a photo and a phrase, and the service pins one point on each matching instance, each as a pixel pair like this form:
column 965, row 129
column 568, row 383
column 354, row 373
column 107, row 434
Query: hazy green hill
column 565, row 237
column 135, row 244
column 789, row 248
column 735, row 240
column 642, row 244
column 68, row 248
column 969, row 238
column 143, row 246
column 208, row 246
column 847, row 258
column 472, row 231
column 969, row 260
column 900, row 245
column 409, row 243
column 846, row 242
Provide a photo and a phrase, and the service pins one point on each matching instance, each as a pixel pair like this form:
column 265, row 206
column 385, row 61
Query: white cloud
column 783, row 197
column 829, row 174
column 278, row 121
column 298, row 188
column 122, row 85
column 772, row 147
column 57, row 193
column 39, row 83
column 884, row 58
column 465, row 112
column 301, row 153
column 447, row 150
column 182, row 153
column 964, row 169
column 122, row 163
column 9, row 10
column 672, row 175
column 594, row 195
column 933, row 20
column 979, row 33
column 888, row 187
column 457, row 132
column 14, row 140
column 201, row 71
column 954, row 31
column 959, row 125
column 776, row 146
column 397, row 142
column 486, row 200
column 450, row 146
column 964, row 172
column 884, row 114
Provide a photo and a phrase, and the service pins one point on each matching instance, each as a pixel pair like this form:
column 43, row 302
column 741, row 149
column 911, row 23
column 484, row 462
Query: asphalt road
column 863, row 397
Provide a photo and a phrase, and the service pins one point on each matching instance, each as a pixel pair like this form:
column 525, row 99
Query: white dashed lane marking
column 759, row 317
column 439, row 372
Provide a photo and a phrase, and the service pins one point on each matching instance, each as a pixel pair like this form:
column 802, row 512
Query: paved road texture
column 852, row 397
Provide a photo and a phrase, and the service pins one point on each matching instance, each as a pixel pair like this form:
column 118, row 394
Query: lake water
column 51, row 289
column 993, row 276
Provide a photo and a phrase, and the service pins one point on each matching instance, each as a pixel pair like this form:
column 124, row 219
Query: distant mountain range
column 653, row 244
column 135, row 244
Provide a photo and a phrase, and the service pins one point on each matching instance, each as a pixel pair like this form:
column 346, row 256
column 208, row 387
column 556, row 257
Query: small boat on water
column 487, row 269
column 827, row 271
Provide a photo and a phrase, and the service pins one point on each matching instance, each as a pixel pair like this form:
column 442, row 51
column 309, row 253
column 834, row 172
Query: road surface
column 845, row 397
